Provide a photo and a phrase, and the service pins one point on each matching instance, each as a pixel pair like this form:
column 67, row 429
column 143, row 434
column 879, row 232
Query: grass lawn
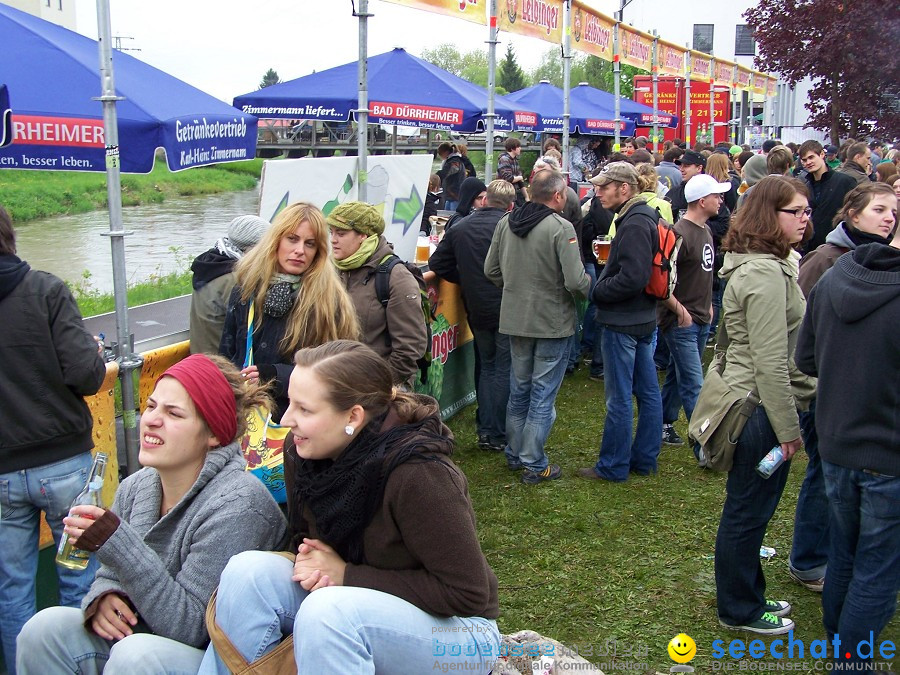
column 586, row 562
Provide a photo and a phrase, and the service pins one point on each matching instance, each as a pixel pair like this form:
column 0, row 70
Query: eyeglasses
column 797, row 213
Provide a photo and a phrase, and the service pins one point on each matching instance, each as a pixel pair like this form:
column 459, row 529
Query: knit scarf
column 363, row 253
column 281, row 294
column 344, row 494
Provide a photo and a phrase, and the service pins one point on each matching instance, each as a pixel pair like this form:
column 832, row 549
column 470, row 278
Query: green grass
column 28, row 195
column 589, row 561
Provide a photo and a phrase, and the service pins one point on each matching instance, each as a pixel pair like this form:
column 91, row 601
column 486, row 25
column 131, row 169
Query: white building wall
column 61, row 12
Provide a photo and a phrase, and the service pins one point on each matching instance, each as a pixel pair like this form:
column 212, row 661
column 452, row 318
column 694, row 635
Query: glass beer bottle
column 67, row 555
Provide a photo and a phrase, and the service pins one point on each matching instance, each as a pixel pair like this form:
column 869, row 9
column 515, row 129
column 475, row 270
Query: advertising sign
column 536, row 18
column 670, row 59
column 592, row 32
column 701, row 67
column 671, row 95
column 470, row 10
column 635, row 47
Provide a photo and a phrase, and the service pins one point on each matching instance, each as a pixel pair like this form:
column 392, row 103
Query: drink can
column 768, row 464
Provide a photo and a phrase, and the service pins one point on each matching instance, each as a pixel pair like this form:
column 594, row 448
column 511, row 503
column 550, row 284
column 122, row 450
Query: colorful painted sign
column 724, row 73
column 758, row 84
column 670, row 59
column 541, row 19
column 635, row 47
column 743, row 78
column 470, row 10
column 592, row 32
column 701, row 66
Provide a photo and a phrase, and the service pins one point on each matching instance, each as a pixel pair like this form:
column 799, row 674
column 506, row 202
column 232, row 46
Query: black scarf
column 344, row 494
column 859, row 237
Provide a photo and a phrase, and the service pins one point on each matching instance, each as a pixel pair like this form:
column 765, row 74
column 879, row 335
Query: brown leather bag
column 279, row 661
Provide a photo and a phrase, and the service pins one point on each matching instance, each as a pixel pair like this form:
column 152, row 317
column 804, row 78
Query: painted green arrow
column 408, row 210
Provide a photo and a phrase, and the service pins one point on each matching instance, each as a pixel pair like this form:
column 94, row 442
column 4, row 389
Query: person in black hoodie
column 459, row 258
column 849, row 340
column 50, row 363
column 471, row 197
column 213, row 281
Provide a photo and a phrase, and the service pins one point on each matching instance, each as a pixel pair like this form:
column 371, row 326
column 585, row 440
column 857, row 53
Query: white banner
column 397, row 187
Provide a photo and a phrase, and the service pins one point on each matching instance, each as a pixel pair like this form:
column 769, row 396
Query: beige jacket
column 762, row 309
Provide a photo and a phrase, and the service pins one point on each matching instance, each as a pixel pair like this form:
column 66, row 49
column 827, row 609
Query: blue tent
column 52, row 75
column 5, row 117
column 640, row 114
column 403, row 90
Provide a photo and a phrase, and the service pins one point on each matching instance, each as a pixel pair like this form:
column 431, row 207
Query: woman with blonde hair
column 463, row 150
column 647, row 182
column 717, row 166
column 297, row 300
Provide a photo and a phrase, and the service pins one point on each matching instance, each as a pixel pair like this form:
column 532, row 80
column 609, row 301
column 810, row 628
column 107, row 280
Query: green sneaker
column 778, row 607
column 552, row 472
column 767, row 624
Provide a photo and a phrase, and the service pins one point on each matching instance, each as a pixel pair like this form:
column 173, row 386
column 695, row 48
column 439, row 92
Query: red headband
column 210, row 392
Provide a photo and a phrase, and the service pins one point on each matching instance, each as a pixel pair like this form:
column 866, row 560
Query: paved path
column 155, row 325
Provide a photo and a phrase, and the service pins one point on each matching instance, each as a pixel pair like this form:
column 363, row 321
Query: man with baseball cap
column 691, row 164
column 684, row 318
column 628, row 317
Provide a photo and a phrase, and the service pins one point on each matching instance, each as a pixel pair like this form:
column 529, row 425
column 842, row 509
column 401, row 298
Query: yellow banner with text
column 542, row 19
column 470, row 10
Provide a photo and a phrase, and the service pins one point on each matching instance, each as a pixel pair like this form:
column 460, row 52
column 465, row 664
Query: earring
column 349, row 429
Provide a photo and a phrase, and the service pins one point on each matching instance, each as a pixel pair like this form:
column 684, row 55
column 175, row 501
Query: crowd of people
column 788, row 263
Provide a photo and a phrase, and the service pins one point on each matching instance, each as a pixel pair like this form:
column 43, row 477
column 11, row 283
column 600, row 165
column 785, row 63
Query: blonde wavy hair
column 717, row 167
column 323, row 310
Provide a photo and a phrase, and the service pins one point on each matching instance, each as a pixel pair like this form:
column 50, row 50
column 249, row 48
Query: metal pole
column 712, row 95
column 567, row 82
column 654, row 69
column 687, row 98
column 128, row 361
column 492, row 68
column 394, row 141
column 362, row 112
column 732, row 94
column 617, row 134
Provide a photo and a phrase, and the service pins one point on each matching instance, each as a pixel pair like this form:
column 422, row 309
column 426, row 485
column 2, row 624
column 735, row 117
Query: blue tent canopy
column 5, row 117
column 403, row 90
column 640, row 114
column 52, row 74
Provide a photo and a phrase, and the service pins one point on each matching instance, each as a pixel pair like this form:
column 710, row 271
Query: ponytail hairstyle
column 647, row 177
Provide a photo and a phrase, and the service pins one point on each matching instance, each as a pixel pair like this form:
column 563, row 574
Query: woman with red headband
column 172, row 528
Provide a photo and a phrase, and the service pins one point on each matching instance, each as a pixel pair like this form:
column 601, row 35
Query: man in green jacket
column 534, row 257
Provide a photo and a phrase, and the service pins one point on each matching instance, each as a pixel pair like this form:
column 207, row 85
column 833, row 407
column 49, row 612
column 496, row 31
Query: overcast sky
column 225, row 46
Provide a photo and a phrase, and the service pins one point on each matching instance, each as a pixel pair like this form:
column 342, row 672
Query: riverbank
column 29, row 195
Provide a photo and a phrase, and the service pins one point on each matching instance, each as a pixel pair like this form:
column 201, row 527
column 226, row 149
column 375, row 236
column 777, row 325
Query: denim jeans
column 684, row 374
column 809, row 550
column 23, row 495
column 628, row 362
column 493, row 383
column 750, row 502
column 340, row 629
column 538, row 367
column 588, row 325
column 56, row 641
column 863, row 574
column 660, row 352
column 718, row 292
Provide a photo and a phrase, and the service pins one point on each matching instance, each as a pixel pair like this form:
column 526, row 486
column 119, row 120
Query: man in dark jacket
column 50, row 363
column 827, row 190
column 857, row 303
column 628, row 316
column 459, row 258
column 859, row 163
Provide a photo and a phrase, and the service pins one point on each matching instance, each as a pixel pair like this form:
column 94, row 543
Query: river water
column 67, row 246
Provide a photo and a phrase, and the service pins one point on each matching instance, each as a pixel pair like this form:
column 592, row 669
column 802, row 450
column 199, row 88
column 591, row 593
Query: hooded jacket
column 212, row 282
column 849, row 340
column 762, row 309
column 534, row 257
column 840, row 240
column 471, row 188
column 50, row 363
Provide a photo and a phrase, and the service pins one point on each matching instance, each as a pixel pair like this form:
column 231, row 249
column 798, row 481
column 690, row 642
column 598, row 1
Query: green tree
column 550, row 68
column 510, row 76
column 445, row 56
column 475, row 67
column 270, row 78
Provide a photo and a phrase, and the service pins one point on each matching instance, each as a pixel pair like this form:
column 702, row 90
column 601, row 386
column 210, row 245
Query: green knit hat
column 735, row 150
column 359, row 216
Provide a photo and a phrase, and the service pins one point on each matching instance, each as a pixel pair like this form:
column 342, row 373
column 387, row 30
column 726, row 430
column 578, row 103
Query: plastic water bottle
column 67, row 555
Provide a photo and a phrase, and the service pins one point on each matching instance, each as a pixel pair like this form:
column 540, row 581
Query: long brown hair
column 353, row 374
column 754, row 228
column 322, row 311
column 717, row 167
column 858, row 199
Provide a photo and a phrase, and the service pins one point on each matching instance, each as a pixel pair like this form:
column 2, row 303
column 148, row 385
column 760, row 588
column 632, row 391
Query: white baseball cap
column 703, row 185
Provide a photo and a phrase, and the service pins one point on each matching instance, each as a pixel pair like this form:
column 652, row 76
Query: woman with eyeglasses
column 762, row 309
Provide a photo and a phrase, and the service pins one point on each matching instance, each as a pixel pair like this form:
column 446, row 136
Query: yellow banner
column 592, row 32
column 670, row 59
column 701, row 68
column 470, row 10
column 743, row 78
column 758, row 84
column 770, row 87
column 635, row 47
column 723, row 73
column 540, row 19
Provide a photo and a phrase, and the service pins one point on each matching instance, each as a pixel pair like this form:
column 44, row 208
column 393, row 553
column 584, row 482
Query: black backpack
column 383, row 293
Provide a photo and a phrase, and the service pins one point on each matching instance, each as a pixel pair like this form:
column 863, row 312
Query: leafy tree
column 270, row 78
column 475, row 67
column 444, row 56
column 855, row 89
column 550, row 68
column 509, row 75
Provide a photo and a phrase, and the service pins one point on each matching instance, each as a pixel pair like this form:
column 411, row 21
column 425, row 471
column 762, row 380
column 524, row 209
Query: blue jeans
column 684, row 374
column 493, row 383
column 718, row 292
column 750, row 502
column 538, row 367
column 340, row 629
column 56, row 641
column 809, row 550
column 450, row 205
column 628, row 361
column 588, row 326
column 661, row 352
column 23, row 495
column 863, row 574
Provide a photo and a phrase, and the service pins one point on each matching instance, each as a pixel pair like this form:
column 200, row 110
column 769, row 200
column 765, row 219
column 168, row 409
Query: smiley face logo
column 682, row 648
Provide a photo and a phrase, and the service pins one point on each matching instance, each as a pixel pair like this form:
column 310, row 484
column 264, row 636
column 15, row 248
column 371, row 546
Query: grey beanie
column 244, row 232
column 755, row 170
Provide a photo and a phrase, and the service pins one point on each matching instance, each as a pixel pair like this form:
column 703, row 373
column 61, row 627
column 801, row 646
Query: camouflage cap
column 622, row 172
column 359, row 216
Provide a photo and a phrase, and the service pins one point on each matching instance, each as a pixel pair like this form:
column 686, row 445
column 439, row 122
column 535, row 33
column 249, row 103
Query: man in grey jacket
column 534, row 257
